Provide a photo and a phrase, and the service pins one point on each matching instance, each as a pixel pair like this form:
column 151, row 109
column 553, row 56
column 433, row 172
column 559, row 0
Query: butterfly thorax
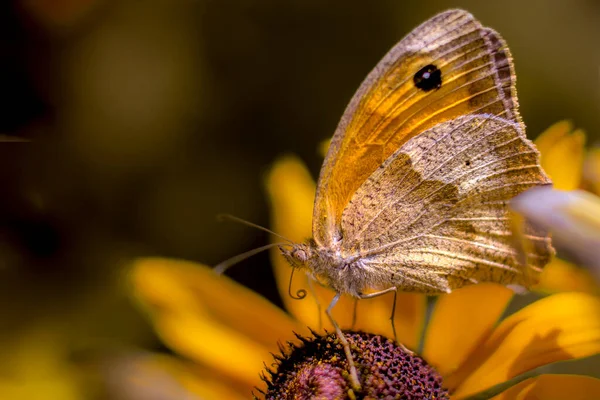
column 329, row 267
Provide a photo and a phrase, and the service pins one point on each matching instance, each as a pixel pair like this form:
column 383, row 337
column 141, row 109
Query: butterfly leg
column 311, row 288
column 392, row 317
column 353, row 374
column 354, row 312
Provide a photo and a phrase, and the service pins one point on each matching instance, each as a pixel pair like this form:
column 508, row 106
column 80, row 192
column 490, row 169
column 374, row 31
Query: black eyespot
column 428, row 78
column 468, row 163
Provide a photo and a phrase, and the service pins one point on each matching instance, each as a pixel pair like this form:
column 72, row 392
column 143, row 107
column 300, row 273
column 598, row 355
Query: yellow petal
column 560, row 327
column 292, row 190
column 460, row 322
column 573, row 217
column 324, row 147
column 554, row 387
column 562, row 276
column 562, row 151
column 208, row 318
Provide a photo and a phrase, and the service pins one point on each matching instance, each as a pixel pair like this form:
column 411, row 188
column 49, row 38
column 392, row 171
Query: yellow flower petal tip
column 562, row 153
column 287, row 167
column 553, row 134
column 291, row 191
column 324, row 147
column 153, row 282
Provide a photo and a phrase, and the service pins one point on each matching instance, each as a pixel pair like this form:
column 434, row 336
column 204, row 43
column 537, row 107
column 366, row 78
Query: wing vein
column 380, row 249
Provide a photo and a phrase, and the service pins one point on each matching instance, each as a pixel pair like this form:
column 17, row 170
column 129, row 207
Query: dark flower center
column 318, row 369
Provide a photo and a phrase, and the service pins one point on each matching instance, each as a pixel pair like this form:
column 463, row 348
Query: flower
column 225, row 332
column 562, row 154
column 317, row 369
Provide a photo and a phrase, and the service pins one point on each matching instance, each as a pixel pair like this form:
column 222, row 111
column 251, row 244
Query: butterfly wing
column 434, row 216
column 388, row 109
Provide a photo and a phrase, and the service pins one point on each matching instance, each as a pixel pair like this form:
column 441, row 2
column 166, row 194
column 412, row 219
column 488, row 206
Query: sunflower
column 226, row 334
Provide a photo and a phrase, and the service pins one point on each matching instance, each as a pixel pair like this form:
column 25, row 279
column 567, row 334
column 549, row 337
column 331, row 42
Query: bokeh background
column 129, row 125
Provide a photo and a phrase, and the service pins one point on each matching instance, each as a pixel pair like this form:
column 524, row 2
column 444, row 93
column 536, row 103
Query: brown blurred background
column 145, row 119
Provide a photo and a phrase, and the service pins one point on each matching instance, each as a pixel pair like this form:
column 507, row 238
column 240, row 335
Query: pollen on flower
column 318, row 369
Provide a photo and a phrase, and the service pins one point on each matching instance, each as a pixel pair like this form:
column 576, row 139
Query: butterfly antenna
column 300, row 294
column 228, row 217
column 225, row 265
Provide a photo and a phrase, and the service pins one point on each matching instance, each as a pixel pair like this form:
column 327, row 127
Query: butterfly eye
column 300, row 255
column 428, row 78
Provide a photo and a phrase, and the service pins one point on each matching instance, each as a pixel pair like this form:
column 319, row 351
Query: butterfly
column 414, row 191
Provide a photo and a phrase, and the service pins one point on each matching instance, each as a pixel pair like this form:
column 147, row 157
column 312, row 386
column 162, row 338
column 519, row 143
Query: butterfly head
column 325, row 266
column 297, row 254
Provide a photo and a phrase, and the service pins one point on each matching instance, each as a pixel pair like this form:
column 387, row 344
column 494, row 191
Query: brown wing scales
column 439, row 207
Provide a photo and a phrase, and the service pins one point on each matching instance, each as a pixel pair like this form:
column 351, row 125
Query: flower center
column 318, row 369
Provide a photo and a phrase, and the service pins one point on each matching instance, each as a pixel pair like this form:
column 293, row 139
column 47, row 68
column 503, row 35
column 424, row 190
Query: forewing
column 388, row 109
column 438, row 209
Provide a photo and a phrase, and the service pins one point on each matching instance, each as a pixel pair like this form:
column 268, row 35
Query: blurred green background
column 143, row 120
